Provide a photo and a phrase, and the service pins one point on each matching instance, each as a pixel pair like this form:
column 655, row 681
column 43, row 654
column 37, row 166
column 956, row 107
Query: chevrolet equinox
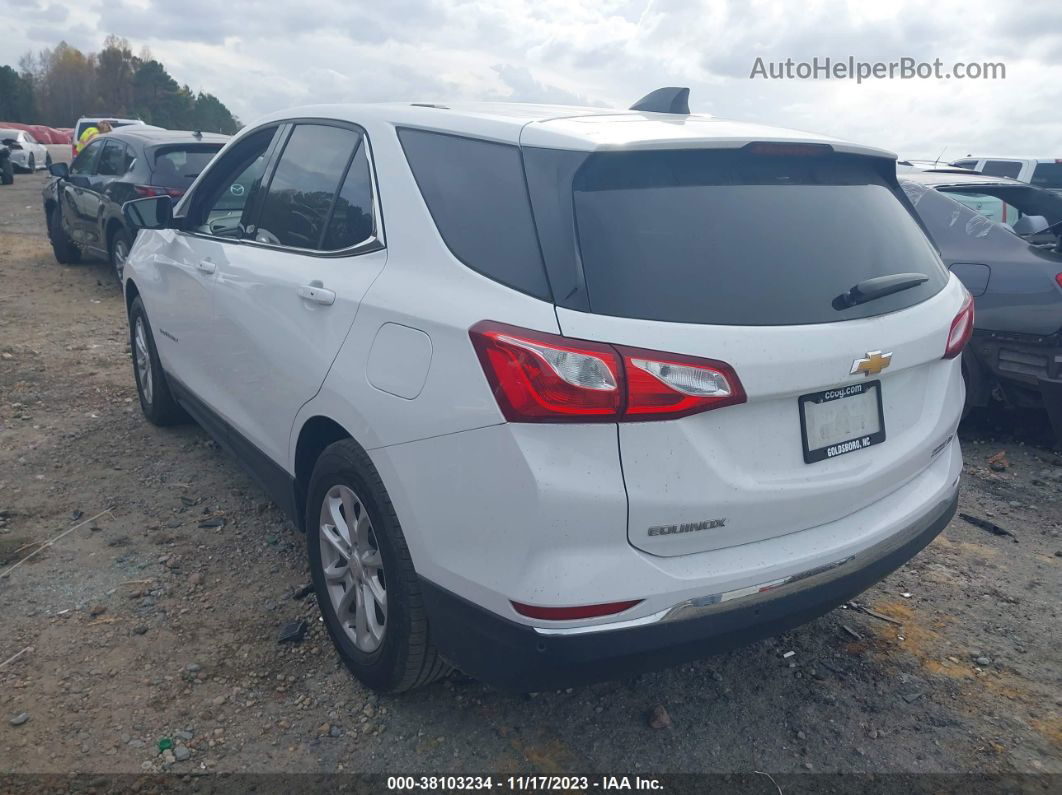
column 560, row 393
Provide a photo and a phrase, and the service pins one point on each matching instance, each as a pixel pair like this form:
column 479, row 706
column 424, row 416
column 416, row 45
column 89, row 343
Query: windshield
column 736, row 238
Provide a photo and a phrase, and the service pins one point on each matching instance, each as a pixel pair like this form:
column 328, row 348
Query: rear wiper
column 878, row 287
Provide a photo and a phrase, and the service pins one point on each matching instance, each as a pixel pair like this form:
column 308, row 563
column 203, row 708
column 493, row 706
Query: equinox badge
column 687, row 527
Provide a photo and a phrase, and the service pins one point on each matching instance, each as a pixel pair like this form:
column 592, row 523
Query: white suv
column 560, row 392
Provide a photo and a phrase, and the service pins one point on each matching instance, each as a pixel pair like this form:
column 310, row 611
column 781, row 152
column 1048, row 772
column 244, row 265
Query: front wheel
column 48, row 160
column 7, row 172
column 363, row 575
column 156, row 401
column 66, row 253
column 32, row 164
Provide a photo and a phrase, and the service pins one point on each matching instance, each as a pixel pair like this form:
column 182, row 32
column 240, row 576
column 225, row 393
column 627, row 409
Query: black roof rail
column 670, row 99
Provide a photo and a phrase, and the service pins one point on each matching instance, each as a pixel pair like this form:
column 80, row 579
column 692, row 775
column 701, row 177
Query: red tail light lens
column 545, row 378
column 538, row 377
column 570, row 613
column 961, row 329
column 155, row 190
column 667, row 386
column 1058, row 278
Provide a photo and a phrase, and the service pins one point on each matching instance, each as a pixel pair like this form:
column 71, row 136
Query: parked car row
column 559, row 393
column 1044, row 172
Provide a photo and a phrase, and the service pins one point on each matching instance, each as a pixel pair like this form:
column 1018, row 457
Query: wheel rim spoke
column 353, row 568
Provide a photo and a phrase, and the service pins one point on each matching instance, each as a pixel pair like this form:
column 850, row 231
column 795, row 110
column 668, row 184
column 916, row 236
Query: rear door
column 112, row 164
column 742, row 257
column 286, row 297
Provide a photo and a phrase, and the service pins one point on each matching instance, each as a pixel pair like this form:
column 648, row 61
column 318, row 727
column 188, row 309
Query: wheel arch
column 317, row 433
column 112, row 228
column 131, row 294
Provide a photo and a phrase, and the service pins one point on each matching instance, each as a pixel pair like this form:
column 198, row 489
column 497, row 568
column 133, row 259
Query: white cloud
column 260, row 57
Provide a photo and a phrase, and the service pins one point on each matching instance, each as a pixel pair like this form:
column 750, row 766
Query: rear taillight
column 961, row 329
column 539, row 377
column 569, row 613
column 155, row 190
column 664, row 385
column 1058, row 278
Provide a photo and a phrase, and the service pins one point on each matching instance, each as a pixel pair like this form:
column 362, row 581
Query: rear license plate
column 841, row 420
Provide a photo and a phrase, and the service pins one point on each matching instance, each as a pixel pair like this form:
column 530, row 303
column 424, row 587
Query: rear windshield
column 1048, row 175
column 178, row 166
column 734, row 237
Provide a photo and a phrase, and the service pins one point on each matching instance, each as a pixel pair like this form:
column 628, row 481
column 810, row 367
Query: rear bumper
column 520, row 657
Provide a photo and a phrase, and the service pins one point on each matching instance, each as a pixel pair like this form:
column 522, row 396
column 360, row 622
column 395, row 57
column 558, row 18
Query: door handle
column 316, row 292
column 206, row 266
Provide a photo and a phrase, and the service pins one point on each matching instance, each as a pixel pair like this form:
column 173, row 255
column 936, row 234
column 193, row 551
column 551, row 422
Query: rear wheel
column 156, row 401
column 363, row 575
column 119, row 247
column 66, row 253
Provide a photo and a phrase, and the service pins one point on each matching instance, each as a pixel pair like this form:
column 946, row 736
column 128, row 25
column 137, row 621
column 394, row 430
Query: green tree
column 115, row 67
column 158, row 99
column 16, row 96
column 210, row 115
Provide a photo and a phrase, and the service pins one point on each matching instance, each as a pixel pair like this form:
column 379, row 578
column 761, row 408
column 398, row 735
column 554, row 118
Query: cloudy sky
column 262, row 56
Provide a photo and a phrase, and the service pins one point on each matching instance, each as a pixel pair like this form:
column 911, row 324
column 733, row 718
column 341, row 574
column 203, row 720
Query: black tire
column 48, row 160
column 406, row 657
column 157, row 403
column 117, row 249
column 66, row 253
column 7, row 172
column 32, row 165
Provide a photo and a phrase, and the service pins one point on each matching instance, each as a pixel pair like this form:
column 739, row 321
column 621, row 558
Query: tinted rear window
column 178, row 166
column 1047, row 175
column 735, row 238
column 476, row 194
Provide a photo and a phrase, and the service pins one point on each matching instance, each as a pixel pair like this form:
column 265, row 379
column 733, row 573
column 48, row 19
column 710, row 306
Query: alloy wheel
column 353, row 568
column 121, row 254
column 143, row 359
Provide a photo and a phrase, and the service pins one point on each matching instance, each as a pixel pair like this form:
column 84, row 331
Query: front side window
column 298, row 202
column 220, row 202
column 1001, row 168
column 85, row 162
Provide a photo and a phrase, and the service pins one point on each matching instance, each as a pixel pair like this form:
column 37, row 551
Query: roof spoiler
column 670, row 99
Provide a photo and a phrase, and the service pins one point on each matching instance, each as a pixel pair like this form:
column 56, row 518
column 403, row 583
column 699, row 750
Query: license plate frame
column 843, row 446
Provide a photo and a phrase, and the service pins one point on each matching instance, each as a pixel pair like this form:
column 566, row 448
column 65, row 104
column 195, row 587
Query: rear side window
column 477, row 196
column 352, row 219
column 113, row 161
column 1001, row 168
column 178, row 166
column 740, row 238
column 1048, row 175
column 296, row 206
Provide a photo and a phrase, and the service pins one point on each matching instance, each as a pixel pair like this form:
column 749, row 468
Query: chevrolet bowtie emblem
column 871, row 364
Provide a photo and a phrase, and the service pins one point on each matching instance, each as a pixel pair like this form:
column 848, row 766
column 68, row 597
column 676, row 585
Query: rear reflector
column 961, row 329
column 570, row 613
column 539, row 377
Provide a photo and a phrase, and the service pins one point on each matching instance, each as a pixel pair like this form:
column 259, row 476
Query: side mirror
column 154, row 212
column 59, row 169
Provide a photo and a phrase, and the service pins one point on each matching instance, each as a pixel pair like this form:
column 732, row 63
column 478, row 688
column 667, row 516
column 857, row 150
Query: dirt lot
column 150, row 621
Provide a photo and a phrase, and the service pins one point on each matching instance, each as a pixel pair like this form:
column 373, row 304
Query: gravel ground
column 149, row 622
